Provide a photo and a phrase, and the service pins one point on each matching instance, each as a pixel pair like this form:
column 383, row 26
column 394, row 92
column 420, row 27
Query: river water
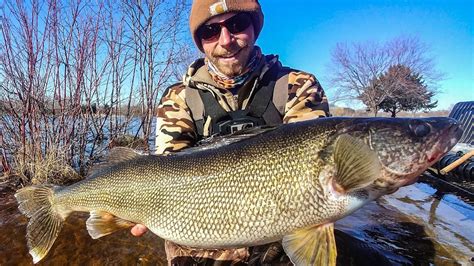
column 428, row 223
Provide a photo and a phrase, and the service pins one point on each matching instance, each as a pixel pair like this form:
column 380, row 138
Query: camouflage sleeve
column 181, row 255
column 306, row 98
column 174, row 125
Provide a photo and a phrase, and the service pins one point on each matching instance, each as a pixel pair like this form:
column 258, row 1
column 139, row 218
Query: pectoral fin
column 357, row 165
column 312, row 246
column 101, row 224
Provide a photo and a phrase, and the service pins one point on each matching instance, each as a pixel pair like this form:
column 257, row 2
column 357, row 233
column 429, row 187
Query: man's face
column 228, row 51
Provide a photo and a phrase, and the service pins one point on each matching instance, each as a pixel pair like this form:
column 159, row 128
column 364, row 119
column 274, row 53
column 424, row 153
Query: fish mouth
column 453, row 133
column 456, row 132
column 448, row 134
column 449, row 137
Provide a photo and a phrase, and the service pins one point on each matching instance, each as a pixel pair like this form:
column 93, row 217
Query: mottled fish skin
column 260, row 189
column 244, row 194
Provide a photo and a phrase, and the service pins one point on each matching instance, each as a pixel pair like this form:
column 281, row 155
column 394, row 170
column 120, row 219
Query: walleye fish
column 288, row 183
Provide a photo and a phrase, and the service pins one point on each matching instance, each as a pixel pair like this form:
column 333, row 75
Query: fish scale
column 287, row 183
column 236, row 196
column 258, row 196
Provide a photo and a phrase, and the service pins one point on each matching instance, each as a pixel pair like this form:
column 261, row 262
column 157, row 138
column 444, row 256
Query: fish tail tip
column 45, row 222
column 36, row 256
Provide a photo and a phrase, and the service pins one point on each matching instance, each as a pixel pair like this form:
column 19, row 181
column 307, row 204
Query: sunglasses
column 234, row 25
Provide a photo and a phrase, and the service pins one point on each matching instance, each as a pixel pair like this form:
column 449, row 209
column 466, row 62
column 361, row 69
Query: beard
column 232, row 61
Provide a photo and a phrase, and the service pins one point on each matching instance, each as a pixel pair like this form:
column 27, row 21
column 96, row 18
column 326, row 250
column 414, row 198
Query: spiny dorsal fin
column 115, row 156
column 356, row 164
column 214, row 142
column 121, row 154
column 101, row 224
column 311, row 246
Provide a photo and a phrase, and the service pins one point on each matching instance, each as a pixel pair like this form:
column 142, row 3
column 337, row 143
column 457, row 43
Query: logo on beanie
column 218, row 8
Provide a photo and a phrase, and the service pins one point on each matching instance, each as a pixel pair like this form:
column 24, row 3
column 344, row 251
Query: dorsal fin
column 115, row 156
column 214, row 142
column 121, row 154
column 357, row 165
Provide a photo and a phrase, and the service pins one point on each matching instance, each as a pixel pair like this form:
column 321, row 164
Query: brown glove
column 181, row 255
column 269, row 254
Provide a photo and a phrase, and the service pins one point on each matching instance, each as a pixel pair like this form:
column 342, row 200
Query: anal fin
column 101, row 224
column 312, row 246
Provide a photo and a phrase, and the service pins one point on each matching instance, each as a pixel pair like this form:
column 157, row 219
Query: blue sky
column 303, row 34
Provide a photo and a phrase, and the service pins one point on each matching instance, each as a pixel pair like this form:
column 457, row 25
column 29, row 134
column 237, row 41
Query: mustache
column 226, row 52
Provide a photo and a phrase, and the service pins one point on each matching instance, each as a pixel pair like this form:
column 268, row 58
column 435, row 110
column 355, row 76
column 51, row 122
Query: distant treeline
column 93, row 108
column 346, row 111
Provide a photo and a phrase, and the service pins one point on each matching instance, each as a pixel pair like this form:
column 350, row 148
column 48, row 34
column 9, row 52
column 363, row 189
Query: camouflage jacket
column 176, row 129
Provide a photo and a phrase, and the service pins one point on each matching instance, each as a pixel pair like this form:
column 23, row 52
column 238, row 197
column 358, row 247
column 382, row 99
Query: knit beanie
column 203, row 10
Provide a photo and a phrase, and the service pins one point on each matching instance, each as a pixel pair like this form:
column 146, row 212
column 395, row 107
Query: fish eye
column 421, row 130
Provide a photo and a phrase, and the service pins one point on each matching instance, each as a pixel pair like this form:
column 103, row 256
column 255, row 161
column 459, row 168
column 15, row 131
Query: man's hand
column 138, row 230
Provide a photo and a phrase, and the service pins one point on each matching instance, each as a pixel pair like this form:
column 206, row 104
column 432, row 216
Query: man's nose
column 226, row 37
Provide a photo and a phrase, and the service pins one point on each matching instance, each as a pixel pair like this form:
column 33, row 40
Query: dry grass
column 128, row 141
column 50, row 168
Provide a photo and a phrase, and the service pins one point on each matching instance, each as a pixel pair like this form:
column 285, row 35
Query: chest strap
column 266, row 106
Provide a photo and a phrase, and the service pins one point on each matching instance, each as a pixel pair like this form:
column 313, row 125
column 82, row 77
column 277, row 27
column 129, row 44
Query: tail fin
column 45, row 223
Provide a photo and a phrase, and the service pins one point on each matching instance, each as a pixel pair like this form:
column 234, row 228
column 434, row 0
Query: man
column 232, row 88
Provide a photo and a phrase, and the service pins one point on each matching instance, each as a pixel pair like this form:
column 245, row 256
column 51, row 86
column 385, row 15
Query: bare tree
column 156, row 36
column 49, row 48
column 355, row 69
column 71, row 73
